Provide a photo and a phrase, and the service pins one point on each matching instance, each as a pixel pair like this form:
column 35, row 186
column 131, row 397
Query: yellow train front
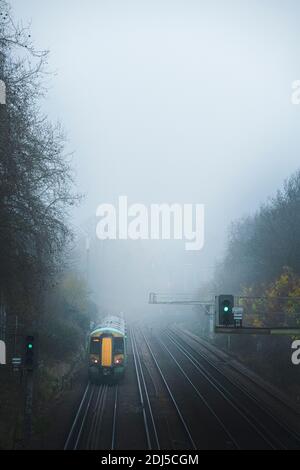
column 107, row 350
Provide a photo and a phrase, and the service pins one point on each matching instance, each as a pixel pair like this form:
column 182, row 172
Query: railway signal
column 225, row 305
column 29, row 353
column 30, row 359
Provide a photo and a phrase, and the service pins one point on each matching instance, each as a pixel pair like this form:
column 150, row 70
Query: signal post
column 29, row 366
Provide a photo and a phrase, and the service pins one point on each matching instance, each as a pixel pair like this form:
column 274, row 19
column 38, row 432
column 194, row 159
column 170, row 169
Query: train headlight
column 118, row 360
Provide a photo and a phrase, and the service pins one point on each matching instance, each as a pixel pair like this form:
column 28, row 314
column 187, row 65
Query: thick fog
column 170, row 102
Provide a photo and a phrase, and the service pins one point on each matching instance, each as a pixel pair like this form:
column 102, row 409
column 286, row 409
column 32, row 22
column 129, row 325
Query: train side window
column 95, row 346
column 118, row 345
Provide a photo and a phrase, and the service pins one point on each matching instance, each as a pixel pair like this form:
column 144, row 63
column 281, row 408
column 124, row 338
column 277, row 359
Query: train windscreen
column 95, row 346
column 118, row 345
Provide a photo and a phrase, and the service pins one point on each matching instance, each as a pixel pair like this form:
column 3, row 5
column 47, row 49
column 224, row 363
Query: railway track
column 148, row 417
column 203, row 343
column 185, row 401
column 190, row 443
column 275, row 434
column 200, row 418
column 97, row 411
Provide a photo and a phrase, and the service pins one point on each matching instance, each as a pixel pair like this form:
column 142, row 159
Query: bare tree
column 36, row 174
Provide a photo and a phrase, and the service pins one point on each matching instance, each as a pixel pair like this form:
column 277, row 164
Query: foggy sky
column 174, row 101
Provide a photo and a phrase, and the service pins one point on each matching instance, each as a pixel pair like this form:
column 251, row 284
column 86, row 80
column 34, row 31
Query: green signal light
column 30, row 346
column 226, row 309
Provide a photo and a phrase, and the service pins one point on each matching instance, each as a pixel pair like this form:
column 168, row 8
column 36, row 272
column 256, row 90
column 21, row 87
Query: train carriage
column 107, row 350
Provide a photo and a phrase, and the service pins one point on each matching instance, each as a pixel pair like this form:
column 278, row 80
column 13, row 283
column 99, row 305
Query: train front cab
column 107, row 357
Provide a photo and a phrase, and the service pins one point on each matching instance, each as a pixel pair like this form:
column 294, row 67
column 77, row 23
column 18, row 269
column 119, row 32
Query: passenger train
column 107, row 350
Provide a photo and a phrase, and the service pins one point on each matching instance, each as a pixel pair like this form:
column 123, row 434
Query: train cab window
column 95, row 346
column 118, row 345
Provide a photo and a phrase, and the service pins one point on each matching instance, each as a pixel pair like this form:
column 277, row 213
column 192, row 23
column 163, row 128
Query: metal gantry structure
column 180, row 299
column 246, row 314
